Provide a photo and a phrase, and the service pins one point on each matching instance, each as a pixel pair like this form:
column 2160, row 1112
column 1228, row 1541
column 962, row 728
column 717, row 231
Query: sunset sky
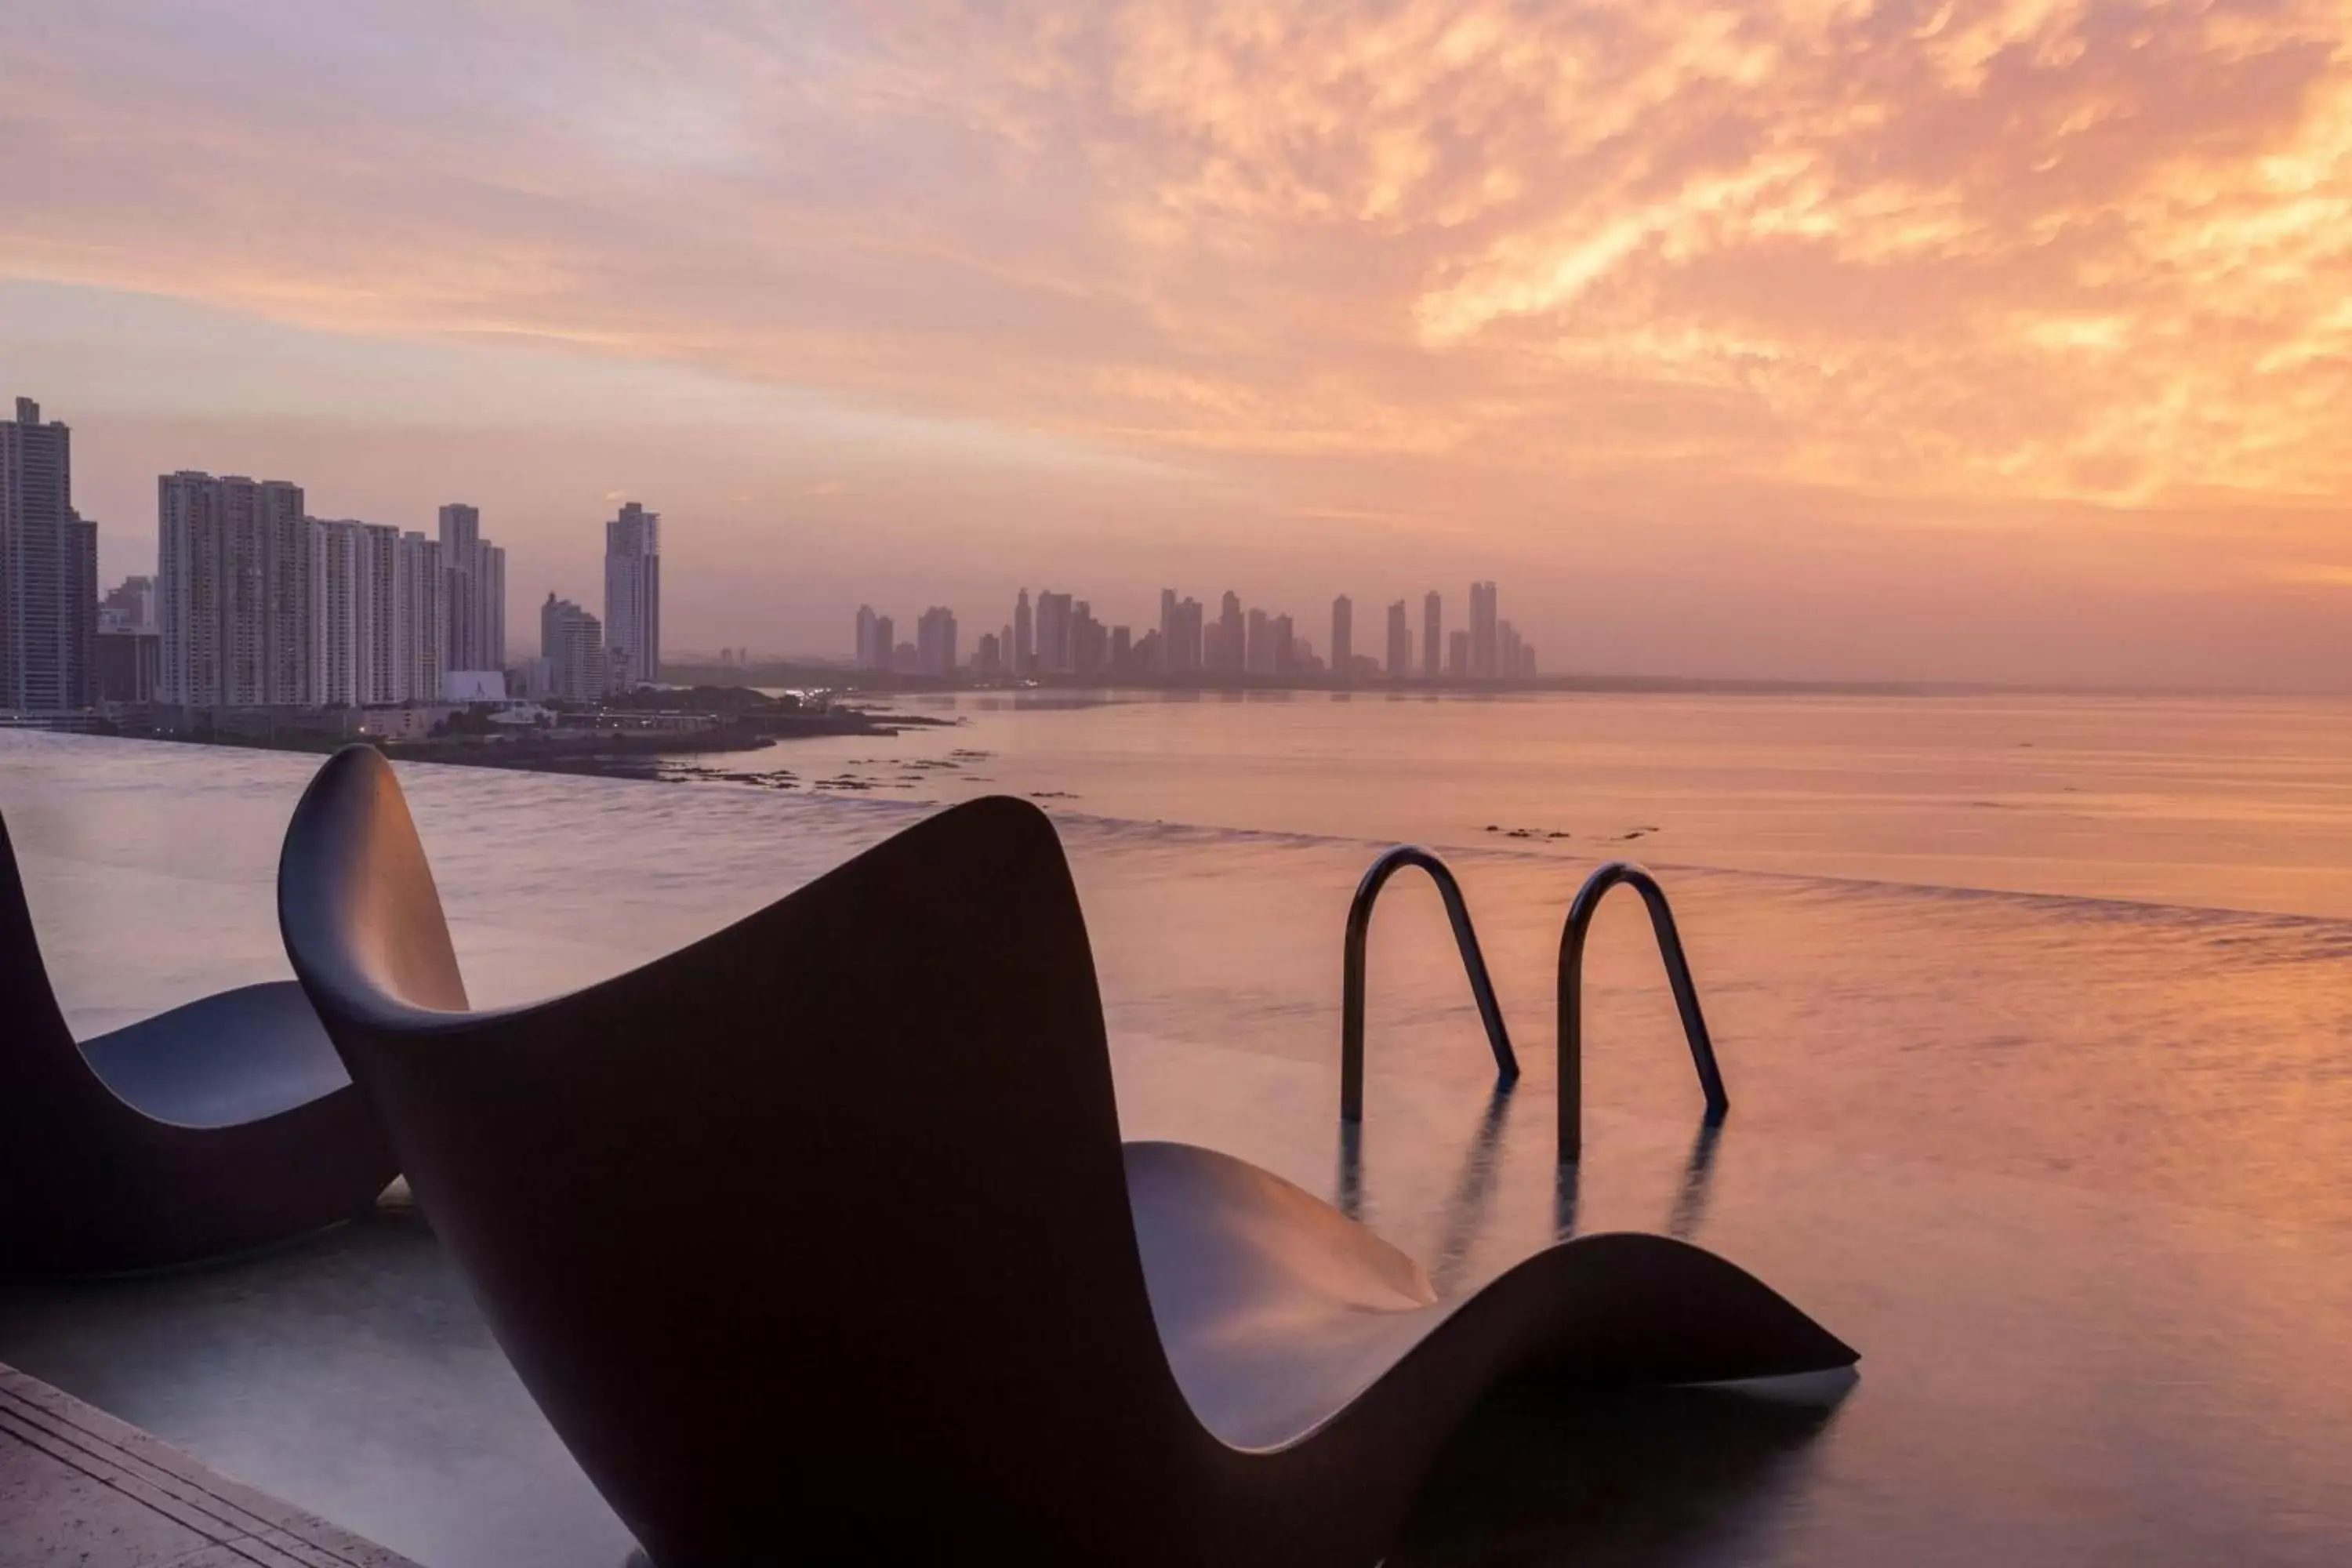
column 2003, row 341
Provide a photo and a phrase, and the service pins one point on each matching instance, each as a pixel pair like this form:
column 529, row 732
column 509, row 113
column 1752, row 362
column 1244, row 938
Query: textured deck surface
column 81, row 1489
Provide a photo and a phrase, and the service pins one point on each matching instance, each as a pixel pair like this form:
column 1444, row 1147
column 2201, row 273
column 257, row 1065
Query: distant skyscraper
column 988, row 655
column 1400, row 663
column 1486, row 661
column 872, row 652
column 935, row 641
column 235, row 590
column 1432, row 633
column 1190, row 637
column 1258, row 655
column 1054, row 612
column 572, row 641
column 1089, row 640
column 1023, row 651
column 477, row 574
column 633, row 594
column 1232, row 639
column 1281, row 636
column 48, row 568
column 1457, row 656
column 886, row 643
column 1343, row 636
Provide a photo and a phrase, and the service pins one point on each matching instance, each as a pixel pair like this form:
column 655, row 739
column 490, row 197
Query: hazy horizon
column 1822, row 340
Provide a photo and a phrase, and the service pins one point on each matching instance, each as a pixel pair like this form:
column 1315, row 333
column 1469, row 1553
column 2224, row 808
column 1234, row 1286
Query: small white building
column 467, row 687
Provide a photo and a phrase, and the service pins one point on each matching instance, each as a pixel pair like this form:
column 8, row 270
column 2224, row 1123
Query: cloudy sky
column 1824, row 338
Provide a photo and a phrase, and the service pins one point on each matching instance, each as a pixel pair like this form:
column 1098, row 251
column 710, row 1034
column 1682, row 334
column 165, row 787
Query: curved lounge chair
column 221, row 1126
column 816, row 1240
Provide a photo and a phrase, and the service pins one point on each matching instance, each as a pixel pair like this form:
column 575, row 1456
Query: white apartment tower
column 633, row 594
column 358, row 608
column 421, row 607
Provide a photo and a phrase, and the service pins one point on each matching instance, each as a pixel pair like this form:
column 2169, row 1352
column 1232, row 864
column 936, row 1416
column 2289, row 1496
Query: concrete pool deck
column 77, row 1485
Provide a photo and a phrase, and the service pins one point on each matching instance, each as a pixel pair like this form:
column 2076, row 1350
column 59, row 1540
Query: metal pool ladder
column 1482, row 987
column 1466, row 937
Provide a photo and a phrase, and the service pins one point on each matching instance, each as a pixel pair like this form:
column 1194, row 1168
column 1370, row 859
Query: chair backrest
column 27, row 999
column 827, row 1206
column 362, row 904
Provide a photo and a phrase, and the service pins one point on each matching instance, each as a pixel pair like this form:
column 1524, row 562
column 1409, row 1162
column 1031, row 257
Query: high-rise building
column 633, row 594
column 886, row 645
column 935, row 641
column 235, row 591
column 1024, row 648
column 1432, row 633
column 1122, row 648
column 1233, row 641
column 1343, row 637
column 1258, row 653
column 988, row 655
column 1485, row 662
column 1509, row 650
column 1457, row 656
column 872, row 652
column 477, row 574
column 49, row 570
column 1400, row 663
column 571, row 642
column 1185, row 653
column 421, row 602
column 1054, row 612
column 359, row 641
column 1281, row 636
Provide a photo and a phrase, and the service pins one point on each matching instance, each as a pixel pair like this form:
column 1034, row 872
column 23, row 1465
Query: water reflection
column 1656, row 1477
column 1467, row 1205
column 1698, row 1174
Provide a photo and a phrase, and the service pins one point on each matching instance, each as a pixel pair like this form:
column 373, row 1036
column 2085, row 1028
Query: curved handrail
column 1466, row 937
column 1572, row 997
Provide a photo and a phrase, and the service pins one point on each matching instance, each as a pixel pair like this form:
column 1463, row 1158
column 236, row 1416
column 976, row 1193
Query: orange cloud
column 2046, row 258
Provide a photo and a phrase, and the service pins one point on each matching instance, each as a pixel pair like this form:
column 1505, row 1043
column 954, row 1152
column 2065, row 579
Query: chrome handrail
column 1466, row 937
column 1572, row 998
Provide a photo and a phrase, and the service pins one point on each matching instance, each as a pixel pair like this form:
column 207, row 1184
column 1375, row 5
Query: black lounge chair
column 816, row 1240
column 216, row 1128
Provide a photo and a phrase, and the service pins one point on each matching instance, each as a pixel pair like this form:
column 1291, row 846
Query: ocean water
column 2036, row 1015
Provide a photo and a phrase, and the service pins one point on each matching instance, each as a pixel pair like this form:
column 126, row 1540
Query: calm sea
column 2037, row 1015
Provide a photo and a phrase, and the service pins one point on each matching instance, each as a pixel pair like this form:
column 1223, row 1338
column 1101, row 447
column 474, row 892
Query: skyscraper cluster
column 263, row 606
column 933, row 651
column 254, row 603
column 1058, row 635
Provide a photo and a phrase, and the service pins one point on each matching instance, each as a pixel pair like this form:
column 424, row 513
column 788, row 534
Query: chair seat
column 1276, row 1310
column 234, row 1057
column 1280, row 1315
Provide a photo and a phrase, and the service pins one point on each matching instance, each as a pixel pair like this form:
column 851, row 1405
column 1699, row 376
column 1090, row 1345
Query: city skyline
column 250, row 601
column 1060, row 635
